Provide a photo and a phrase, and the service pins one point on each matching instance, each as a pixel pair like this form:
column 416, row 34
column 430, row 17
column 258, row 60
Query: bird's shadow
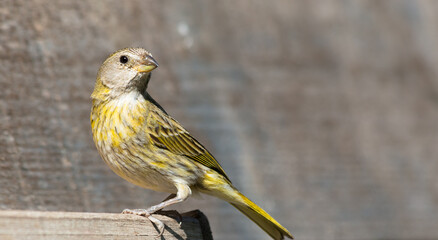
column 195, row 217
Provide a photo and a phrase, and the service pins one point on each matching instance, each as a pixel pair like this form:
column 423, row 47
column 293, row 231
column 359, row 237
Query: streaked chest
column 118, row 123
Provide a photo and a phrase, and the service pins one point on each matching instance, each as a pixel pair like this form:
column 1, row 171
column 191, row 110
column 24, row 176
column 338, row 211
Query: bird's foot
column 145, row 213
column 139, row 212
column 159, row 224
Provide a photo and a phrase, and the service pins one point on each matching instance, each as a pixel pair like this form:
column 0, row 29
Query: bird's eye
column 123, row 59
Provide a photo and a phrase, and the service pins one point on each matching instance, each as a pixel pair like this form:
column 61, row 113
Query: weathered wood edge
column 19, row 224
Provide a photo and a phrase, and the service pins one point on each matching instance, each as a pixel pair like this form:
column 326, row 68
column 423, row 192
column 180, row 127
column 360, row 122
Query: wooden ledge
column 78, row 225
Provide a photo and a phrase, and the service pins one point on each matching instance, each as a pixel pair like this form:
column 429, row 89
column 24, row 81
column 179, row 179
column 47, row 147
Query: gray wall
column 325, row 113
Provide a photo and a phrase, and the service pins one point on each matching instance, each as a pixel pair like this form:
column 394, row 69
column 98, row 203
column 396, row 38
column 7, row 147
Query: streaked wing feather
column 168, row 134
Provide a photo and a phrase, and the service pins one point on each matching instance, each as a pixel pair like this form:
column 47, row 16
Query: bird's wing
column 167, row 133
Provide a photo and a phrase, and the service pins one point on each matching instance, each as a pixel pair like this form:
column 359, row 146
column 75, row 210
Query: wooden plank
column 19, row 225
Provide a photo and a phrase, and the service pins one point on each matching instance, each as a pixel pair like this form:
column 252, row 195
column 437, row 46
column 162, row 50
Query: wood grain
column 322, row 112
column 19, row 225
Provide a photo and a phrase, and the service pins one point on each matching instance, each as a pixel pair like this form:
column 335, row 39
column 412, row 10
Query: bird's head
column 126, row 70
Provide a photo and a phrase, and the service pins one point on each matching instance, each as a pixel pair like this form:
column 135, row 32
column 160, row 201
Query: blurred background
column 325, row 113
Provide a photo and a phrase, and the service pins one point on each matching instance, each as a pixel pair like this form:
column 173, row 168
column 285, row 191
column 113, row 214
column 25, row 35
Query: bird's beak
column 149, row 65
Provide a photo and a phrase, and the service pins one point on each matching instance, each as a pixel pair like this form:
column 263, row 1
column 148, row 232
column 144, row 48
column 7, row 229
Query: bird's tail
column 262, row 218
column 217, row 185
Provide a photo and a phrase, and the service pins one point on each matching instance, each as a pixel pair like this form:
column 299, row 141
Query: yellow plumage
column 144, row 145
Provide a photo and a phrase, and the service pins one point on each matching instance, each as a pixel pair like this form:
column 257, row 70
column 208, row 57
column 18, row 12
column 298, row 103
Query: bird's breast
column 119, row 132
column 118, row 122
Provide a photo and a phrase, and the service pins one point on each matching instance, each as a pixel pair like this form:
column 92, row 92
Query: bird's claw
column 139, row 212
column 159, row 224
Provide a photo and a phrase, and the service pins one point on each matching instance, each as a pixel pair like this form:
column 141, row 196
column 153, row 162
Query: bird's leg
column 173, row 213
column 182, row 194
column 142, row 212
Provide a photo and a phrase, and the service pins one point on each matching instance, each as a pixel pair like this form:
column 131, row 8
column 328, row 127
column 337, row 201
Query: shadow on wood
column 77, row 225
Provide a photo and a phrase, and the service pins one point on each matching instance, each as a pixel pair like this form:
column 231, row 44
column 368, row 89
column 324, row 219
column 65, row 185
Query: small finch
column 142, row 144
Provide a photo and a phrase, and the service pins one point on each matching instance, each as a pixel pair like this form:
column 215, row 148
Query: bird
column 144, row 145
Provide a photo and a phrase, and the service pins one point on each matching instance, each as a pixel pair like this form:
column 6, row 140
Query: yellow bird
column 142, row 144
